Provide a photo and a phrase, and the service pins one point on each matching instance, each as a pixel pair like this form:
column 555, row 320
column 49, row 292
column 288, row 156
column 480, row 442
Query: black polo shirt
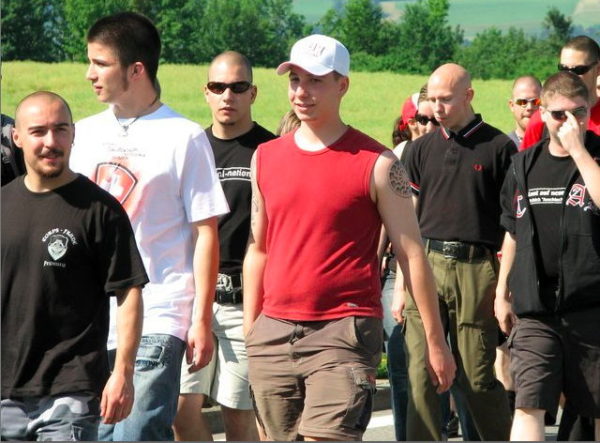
column 458, row 177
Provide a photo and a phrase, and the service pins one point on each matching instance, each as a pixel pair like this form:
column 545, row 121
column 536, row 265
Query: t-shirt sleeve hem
column 139, row 280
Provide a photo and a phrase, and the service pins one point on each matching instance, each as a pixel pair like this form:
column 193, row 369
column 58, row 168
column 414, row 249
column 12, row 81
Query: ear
column 344, row 83
column 15, row 137
column 137, row 69
column 543, row 114
column 206, row 92
column 253, row 94
column 470, row 94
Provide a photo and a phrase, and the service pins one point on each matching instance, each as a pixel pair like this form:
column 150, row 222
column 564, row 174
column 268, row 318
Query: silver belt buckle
column 224, row 283
column 450, row 249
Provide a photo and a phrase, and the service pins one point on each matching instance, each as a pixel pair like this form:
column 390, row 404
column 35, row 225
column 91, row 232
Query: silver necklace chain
column 125, row 126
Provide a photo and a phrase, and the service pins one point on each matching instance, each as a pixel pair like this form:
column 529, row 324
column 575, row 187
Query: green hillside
column 476, row 15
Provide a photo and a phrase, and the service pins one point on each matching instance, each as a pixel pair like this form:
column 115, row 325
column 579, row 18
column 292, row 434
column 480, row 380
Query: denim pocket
column 149, row 356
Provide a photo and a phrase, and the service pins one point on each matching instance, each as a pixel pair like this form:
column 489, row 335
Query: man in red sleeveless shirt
column 312, row 309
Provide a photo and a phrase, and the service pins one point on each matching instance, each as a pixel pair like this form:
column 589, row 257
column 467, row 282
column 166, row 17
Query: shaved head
column 527, row 80
column 452, row 75
column 450, row 93
column 42, row 97
column 231, row 58
column 44, row 130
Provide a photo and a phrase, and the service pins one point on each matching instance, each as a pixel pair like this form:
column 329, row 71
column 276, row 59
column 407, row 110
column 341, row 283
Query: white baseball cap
column 319, row 55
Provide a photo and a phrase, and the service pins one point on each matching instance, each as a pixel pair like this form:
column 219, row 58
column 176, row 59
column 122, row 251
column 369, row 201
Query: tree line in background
column 194, row 31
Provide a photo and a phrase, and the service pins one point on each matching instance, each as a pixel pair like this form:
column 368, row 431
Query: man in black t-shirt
column 551, row 210
column 66, row 246
column 456, row 173
column 234, row 138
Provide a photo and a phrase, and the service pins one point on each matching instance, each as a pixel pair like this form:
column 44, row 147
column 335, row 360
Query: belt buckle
column 224, row 283
column 450, row 249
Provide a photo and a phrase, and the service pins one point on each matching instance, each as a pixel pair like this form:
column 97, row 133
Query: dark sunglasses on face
column 561, row 116
column 236, row 87
column 524, row 101
column 577, row 70
column 423, row 120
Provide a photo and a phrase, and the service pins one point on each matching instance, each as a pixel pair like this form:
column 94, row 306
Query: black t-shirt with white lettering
column 63, row 253
column 546, row 183
column 232, row 159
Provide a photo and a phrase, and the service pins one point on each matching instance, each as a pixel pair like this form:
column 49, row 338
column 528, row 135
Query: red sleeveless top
column 323, row 229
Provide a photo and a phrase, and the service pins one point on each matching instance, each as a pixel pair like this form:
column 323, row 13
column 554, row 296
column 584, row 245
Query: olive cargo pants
column 466, row 291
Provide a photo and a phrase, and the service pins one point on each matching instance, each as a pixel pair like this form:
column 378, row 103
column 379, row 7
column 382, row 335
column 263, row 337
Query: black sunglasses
column 236, row 87
column 561, row 116
column 423, row 120
column 578, row 70
column 523, row 101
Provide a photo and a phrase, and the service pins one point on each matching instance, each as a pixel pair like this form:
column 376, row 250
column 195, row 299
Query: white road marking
column 381, row 421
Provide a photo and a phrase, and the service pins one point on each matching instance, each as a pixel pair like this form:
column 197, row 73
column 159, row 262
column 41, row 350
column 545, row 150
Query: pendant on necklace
column 125, row 126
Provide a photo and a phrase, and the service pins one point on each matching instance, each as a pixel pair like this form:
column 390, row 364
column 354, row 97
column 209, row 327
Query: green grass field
column 373, row 101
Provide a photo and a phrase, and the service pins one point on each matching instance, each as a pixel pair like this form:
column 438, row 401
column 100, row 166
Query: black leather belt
column 229, row 289
column 458, row 250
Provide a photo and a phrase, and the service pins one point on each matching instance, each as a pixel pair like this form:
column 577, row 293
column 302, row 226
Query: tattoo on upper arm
column 398, row 180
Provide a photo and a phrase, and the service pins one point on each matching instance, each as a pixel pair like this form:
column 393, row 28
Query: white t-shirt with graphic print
column 162, row 170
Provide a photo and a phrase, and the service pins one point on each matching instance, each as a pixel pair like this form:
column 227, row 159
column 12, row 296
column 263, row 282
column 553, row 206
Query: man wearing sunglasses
column 581, row 56
column 312, row 295
column 550, row 269
column 234, row 137
column 524, row 102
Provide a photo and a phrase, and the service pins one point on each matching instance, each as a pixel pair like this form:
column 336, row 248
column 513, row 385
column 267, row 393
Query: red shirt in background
column 535, row 128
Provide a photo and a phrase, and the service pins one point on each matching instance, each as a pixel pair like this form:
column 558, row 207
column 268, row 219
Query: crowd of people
column 266, row 272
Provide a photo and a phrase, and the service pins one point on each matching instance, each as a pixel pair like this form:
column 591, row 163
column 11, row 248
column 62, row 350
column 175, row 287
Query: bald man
column 67, row 246
column 456, row 173
column 233, row 137
column 524, row 102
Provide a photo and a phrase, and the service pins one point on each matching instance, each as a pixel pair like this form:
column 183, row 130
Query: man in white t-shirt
column 160, row 166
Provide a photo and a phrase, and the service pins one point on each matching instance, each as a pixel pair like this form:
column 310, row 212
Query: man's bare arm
column 200, row 343
column 256, row 254
column 118, row 394
column 392, row 194
column 502, row 303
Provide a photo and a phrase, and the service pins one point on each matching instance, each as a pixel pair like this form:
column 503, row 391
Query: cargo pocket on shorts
column 360, row 405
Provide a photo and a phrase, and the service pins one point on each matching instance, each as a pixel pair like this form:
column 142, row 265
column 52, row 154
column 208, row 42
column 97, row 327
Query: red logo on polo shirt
column 478, row 167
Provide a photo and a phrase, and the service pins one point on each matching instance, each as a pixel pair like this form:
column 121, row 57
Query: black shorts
column 550, row 355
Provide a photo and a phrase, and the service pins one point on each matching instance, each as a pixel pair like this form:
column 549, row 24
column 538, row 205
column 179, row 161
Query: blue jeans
column 156, row 382
column 73, row 416
column 396, row 359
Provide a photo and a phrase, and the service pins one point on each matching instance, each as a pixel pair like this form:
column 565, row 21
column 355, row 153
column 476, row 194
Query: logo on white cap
column 319, row 55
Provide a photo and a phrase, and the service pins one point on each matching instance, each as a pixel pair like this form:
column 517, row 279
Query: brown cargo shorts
column 316, row 378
